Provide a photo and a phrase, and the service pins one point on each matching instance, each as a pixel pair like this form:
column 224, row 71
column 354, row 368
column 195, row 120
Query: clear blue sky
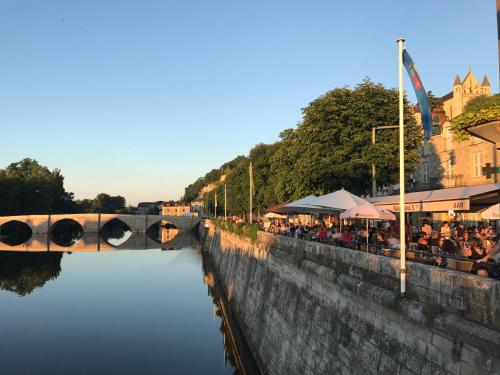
column 140, row 97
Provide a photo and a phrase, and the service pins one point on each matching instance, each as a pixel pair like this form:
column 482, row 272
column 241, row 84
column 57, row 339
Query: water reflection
column 237, row 353
column 22, row 273
column 66, row 233
column 14, row 233
column 116, row 232
column 162, row 232
column 164, row 338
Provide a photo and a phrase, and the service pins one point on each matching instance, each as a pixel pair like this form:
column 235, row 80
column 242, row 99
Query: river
column 114, row 312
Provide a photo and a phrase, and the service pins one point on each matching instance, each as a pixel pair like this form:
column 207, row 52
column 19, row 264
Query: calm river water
column 111, row 312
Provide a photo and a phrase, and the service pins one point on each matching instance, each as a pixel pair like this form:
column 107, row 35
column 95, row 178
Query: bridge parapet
column 92, row 223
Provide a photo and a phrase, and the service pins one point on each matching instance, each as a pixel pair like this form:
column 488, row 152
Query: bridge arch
column 66, row 232
column 115, row 232
column 15, row 233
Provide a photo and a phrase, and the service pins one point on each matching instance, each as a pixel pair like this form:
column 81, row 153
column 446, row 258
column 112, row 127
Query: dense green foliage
column 240, row 229
column 330, row 148
column 477, row 110
column 434, row 102
column 26, row 187
column 105, row 203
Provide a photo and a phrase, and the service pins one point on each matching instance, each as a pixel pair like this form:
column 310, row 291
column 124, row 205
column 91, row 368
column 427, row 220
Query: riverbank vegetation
column 330, row 148
column 26, row 187
column 240, row 229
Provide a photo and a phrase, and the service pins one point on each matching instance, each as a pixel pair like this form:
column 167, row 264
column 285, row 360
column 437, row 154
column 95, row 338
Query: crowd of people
column 478, row 244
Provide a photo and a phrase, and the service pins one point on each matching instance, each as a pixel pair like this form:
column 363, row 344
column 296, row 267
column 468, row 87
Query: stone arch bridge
column 92, row 223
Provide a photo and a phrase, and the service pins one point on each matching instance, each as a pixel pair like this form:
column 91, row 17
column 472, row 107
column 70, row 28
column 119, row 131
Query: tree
column 434, row 102
column 105, row 203
column 331, row 148
column 477, row 110
column 26, row 187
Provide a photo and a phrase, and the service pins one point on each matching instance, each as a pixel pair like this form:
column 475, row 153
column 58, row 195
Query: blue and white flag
column 423, row 101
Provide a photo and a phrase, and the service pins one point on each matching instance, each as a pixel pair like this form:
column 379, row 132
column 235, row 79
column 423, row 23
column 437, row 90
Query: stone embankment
column 308, row 308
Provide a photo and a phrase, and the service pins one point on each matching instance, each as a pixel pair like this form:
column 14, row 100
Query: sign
column 488, row 170
column 437, row 206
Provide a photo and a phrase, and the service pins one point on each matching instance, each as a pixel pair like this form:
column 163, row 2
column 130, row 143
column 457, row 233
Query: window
column 425, row 172
column 478, row 163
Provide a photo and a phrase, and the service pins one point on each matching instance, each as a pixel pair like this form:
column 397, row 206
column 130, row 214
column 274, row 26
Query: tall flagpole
column 402, row 210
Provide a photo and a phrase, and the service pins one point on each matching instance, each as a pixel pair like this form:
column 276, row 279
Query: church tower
column 485, row 86
column 458, row 97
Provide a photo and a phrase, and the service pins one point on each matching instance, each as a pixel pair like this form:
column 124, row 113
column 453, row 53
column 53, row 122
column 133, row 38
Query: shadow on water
column 22, row 273
column 236, row 350
column 15, row 233
column 66, row 233
column 115, row 232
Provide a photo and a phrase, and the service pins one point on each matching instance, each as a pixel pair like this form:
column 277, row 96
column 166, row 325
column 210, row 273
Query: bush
column 240, row 229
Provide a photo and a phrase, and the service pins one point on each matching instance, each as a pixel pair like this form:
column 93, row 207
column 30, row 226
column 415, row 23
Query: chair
column 451, row 264
column 464, row 265
column 411, row 255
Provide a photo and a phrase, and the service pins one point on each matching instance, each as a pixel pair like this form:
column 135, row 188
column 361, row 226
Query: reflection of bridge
column 91, row 242
column 92, row 223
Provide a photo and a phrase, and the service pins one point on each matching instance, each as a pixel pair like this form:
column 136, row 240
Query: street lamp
column 374, row 140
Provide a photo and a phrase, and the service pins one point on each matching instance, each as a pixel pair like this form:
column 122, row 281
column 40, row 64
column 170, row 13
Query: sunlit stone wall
column 308, row 308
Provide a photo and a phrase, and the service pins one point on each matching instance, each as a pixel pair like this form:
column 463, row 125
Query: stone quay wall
column 309, row 308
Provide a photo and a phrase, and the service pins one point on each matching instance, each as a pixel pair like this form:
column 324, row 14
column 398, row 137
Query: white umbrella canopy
column 339, row 200
column 492, row 213
column 273, row 215
column 368, row 211
column 304, row 205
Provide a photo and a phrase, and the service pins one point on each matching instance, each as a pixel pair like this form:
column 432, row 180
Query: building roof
column 469, row 72
column 457, row 80
column 486, row 82
column 447, row 96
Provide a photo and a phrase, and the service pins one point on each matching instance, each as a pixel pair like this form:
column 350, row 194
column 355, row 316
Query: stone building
column 175, row 208
column 445, row 162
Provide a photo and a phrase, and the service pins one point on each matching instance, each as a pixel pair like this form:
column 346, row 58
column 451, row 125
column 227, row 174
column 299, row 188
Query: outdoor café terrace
column 454, row 247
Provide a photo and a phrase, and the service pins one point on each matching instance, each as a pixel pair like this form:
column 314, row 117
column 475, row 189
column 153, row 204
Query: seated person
column 346, row 237
column 423, row 242
column 322, row 234
column 393, row 240
column 448, row 247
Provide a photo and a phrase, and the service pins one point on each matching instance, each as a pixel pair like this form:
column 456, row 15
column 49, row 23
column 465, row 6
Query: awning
column 491, row 213
column 465, row 198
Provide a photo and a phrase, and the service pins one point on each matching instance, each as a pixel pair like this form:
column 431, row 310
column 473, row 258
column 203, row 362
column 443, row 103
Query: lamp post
column 250, row 172
column 374, row 140
column 225, row 201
